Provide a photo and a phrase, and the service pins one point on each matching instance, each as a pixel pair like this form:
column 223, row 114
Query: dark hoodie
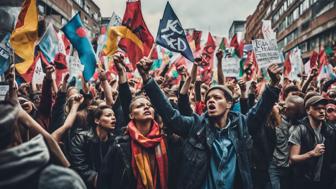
column 27, row 166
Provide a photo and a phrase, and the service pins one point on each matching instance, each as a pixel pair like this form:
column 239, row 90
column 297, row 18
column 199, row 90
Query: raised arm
column 313, row 74
column 255, row 118
column 44, row 108
column 220, row 73
column 106, row 87
column 76, row 101
column 180, row 124
column 183, row 98
column 125, row 94
column 57, row 111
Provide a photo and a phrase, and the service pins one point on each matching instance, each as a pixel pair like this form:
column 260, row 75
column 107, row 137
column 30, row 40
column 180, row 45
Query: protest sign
column 266, row 52
column 231, row 67
column 75, row 66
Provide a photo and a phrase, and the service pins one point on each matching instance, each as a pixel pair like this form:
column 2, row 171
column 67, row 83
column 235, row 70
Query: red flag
column 313, row 59
column 67, row 44
column 251, row 64
column 323, row 58
column 197, row 35
column 238, row 46
column 134, row 21
column 208, row 52
column 61, row 67
column 234, row 42
column 287, row 65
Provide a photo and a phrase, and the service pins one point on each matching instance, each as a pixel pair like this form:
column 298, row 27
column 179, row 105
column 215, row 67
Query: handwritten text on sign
column 231, row 67
column 266, row 52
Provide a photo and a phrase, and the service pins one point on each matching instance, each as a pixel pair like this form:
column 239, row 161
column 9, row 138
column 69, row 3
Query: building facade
column 90, row 15
column 236, row 26
column 59, row 12
column 307, row 24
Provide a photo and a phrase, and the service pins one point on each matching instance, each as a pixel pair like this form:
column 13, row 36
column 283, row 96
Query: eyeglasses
column 330, row 110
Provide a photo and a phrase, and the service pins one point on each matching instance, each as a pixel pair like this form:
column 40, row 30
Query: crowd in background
column 120, row 132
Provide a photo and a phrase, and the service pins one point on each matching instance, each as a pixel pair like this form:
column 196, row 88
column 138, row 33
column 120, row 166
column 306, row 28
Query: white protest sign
column 231, row 67
column 38, row 73
column 266, row 52
column 267, row 30
column 296, row 63
column 3, row 91
column 75, row 67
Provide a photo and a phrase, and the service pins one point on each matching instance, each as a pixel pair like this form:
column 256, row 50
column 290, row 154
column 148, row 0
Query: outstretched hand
column 274, row 72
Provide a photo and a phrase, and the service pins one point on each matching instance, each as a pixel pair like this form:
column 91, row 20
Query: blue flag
column 4, row 54
column 75, row 32
column 49, row 43
column 171, row 34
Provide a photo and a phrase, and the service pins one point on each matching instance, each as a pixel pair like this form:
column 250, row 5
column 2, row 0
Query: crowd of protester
column 113, row 134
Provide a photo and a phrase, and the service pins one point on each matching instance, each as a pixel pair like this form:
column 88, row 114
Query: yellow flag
column 24, row 36
column 123, row 32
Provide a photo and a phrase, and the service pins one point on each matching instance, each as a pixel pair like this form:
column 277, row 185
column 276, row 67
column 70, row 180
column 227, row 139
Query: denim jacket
column 198, row 136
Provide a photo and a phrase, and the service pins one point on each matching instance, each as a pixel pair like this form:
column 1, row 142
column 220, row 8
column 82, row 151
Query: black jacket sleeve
column 80, row 160
column 58, row 115
column 184, row 105
column 180, row 124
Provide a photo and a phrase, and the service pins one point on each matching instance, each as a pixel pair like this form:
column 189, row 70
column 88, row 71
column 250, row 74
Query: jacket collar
column 209, row 128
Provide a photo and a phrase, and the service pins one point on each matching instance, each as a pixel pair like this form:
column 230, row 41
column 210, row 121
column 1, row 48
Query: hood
column 21, row 162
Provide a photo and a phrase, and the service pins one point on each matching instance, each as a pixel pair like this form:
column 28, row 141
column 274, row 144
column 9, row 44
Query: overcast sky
column 215, row 16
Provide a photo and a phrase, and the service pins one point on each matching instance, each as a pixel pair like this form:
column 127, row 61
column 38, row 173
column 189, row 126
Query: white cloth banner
column 266, row 52
column 38, row 73
column 231, row 67
column 296, row 62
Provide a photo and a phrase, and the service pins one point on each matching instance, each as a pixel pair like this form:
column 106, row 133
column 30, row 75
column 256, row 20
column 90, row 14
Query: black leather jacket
column 87, row 153
column 117, row 172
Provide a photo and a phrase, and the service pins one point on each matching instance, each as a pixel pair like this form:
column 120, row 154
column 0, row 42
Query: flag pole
column 151, row 51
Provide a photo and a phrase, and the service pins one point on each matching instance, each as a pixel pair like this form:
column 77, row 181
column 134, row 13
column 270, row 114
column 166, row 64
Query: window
column 290, row 19
column 296, row 14
column 303, row 47
column 274, row 4
column 282, row 25
column 285, row 6
column 290, row 2
column 268, row 10
column 87, row 9
column 296, row 34
column 304, row 6
column 80, row 3
column 41, row 9
column 95, row 16
column 289, row 38
column 281, row 44
column 305, row 26
column 86, row 21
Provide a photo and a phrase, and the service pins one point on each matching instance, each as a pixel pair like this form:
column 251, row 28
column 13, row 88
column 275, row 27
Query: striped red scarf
column 140, row 158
